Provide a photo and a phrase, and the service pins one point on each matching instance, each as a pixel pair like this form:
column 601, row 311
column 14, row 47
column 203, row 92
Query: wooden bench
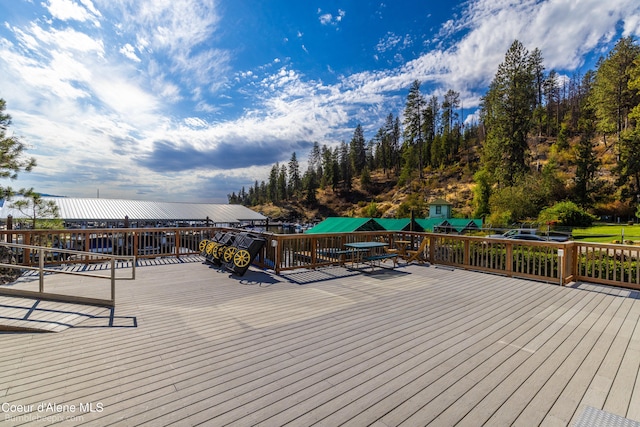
column 381, row 257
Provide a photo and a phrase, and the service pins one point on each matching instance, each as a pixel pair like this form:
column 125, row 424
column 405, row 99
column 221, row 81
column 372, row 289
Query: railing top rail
column 68, row 251
column 106, row 230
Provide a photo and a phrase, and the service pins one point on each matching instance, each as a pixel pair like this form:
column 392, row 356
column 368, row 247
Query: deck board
column 412, row 346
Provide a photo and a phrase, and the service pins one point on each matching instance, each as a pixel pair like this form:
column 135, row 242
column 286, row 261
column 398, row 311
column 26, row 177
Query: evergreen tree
column 12, row 158
column 451, row 130
column 327, row 167
column 310, row 183
column 272, row 187
column 282, row 183
column 612, row 98
column 335, row 170
column 34, row 207
column 357, row 150
column 413, row 112
column 430, row 120
column 315, row 160
column 395, row 136
column 552, row 96
column 233, row 199
column 587, row 164
column 295, row 180
column 507, row 111
column 346, row 170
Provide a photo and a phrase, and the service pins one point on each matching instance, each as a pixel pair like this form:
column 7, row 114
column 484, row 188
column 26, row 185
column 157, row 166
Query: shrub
column 566, row 214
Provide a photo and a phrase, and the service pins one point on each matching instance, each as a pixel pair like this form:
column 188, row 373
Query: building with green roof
column 439, row 220
column 345, row 225
column 399, row 224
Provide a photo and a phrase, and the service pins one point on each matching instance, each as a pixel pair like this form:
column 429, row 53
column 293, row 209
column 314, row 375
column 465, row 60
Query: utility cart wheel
column 219, row 251
column 210, row 248
column 203, row 245
column 242, row 258
column 228, row 253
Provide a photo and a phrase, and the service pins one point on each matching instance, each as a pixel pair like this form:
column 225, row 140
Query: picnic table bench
column 374, row 259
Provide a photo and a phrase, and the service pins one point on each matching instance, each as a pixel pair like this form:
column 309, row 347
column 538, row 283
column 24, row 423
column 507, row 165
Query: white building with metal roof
column 114, row 212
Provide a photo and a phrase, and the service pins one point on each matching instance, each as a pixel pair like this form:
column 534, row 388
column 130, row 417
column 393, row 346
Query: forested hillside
column 545, row 144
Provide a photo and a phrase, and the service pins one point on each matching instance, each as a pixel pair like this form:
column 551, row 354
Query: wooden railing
column 617, row 265
column 42, row 254
column 562, row 263
column 137, row 242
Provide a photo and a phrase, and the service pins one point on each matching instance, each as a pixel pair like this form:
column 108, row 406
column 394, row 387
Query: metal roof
column 345, row 225
column 80, row 209
column 399, row 224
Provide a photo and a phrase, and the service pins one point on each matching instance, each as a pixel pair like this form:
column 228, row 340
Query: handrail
column 617, row 265
column 41, row 293
column 554, row 262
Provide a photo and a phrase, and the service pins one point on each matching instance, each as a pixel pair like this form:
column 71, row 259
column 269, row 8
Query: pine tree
column 357, row 150
column 12, row 158
column 507, row 112
column 295, row 181
column 413, row 122
column 611, row 96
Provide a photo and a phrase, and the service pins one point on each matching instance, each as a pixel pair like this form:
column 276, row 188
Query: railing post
column 570, row 262
column 9, row 229
column 467, row 252
column 277, row 248
column 432, row 247
column 27, row 252
column 314, row 258
column 135, row 244
column 508, row 258
column 41, row 268
column 113, row 280
column 176, row 238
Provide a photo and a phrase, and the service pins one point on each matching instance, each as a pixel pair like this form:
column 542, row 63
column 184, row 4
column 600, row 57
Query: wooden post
column 432, row 248
column 9, row 228
column 176, row 241
column 113, row 280
column 509, row 259
column 278, row 257
column 467, row 253
column 41, row 269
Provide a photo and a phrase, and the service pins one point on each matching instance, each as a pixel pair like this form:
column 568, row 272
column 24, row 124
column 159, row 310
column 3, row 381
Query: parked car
column 533, row 237
column 531, row 234
column 515, row 233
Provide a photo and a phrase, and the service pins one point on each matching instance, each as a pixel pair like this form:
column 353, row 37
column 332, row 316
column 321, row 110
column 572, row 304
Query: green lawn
column 608, row 233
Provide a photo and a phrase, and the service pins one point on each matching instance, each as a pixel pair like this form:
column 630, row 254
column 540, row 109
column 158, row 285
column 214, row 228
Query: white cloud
column 71, row 91
column 330, row 19
column 129, row 51
column 326, row 18
column 67, row 39
column 69, row 10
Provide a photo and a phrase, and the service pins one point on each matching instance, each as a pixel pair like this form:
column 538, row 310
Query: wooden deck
column 419, row 345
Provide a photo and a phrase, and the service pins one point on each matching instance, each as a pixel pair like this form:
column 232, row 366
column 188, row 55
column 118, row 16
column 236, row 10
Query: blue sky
column 184, row 100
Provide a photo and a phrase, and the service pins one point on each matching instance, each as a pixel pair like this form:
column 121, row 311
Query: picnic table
column 402, row 246
column 369, row 253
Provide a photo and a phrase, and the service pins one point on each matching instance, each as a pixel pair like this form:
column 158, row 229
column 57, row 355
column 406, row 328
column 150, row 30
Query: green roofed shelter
column 345, row 225
column 430, row 224
column 459, row 225
column 349, row 225
column 399, row 224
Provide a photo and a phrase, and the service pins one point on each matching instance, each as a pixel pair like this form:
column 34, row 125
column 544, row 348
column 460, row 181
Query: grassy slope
column 608, row 233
